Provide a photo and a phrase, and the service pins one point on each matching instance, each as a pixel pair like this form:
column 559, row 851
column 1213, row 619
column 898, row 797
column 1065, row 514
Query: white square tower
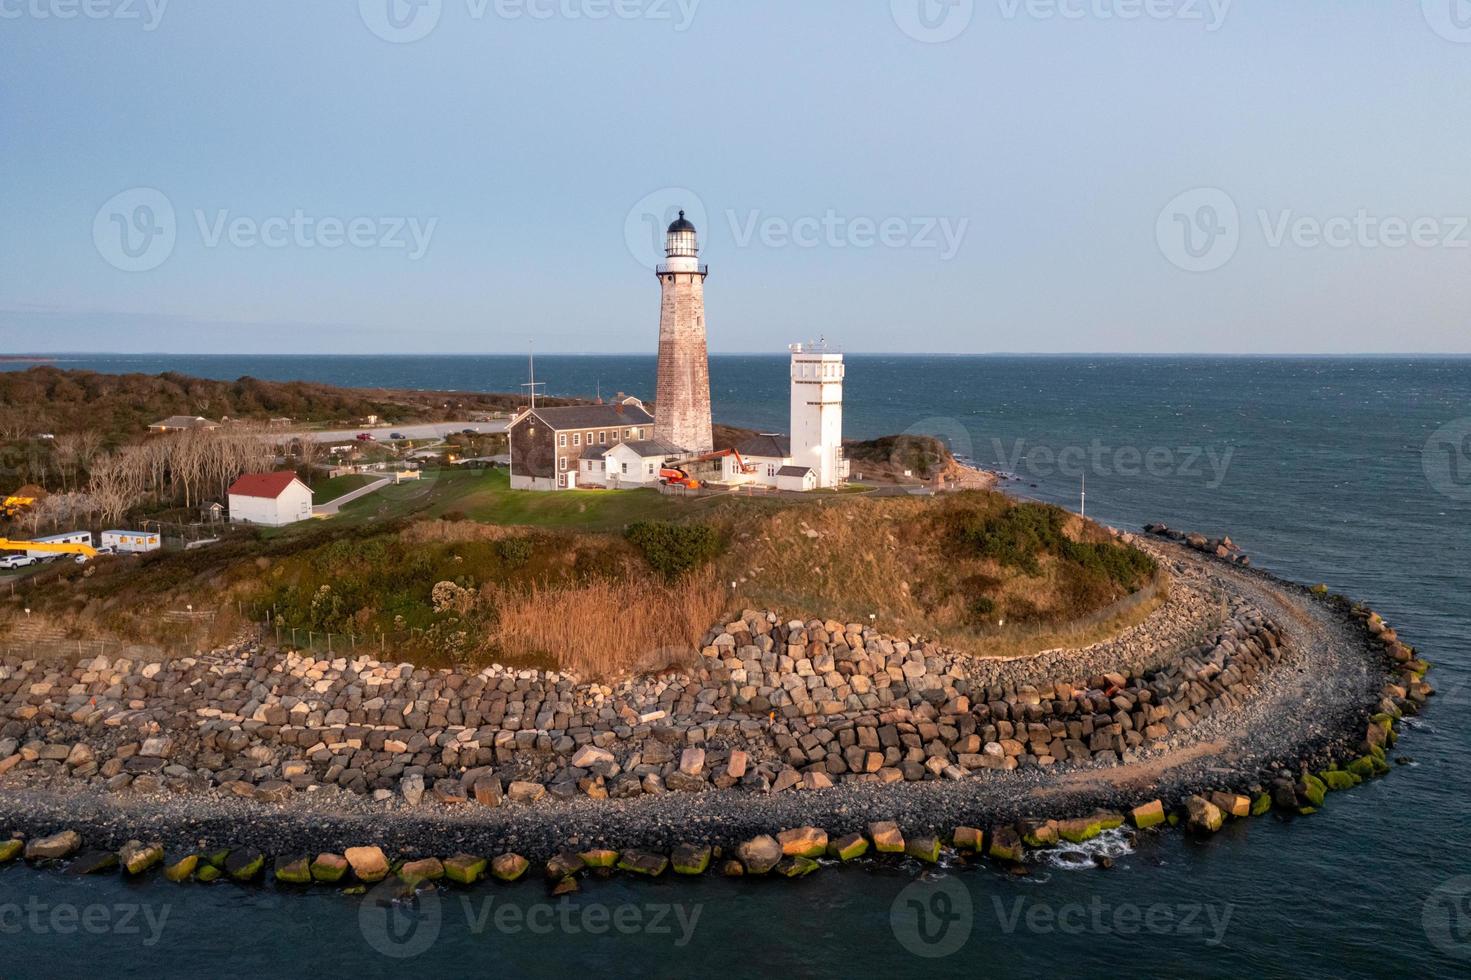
column 817, row 412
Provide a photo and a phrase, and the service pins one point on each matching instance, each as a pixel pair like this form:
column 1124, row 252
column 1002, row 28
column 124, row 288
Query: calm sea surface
column 1353, row 472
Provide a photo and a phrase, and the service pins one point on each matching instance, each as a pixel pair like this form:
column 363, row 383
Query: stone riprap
column 1278, row 696
column 773, row 705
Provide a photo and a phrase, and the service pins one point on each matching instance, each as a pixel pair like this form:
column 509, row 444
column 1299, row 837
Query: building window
column 627, row 433
column 562, row 482
column 602, row 438
column 641, row 434
column 625, row 469
column 562, row 440
column 770, row 469
column 563, row 461
column 577, row 438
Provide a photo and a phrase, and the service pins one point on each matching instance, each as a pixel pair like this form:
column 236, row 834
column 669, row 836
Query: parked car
column 470, row 432
column 365, row 437
column 17, row 561
column 398, row 436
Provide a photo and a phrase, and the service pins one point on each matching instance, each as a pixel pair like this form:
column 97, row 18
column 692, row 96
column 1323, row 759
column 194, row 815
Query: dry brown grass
column 890, row 561
column 609, row 627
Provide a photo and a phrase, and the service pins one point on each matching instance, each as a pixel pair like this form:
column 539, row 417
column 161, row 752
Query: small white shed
column 272, row 499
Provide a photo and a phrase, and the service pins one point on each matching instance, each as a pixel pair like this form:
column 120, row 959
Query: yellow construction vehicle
column 83, row 552
column 26, row 497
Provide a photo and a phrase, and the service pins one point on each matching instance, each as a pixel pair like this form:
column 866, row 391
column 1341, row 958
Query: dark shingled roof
column 770, row 447
column 593, row 416
column 793, row 471
column 654, row 447
column 595, row 452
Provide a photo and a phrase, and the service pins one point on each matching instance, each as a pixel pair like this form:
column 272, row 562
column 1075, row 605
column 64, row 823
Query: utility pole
column 1083, row 503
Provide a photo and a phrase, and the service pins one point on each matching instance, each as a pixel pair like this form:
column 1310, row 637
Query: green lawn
column 489, row 498
column 326, row 491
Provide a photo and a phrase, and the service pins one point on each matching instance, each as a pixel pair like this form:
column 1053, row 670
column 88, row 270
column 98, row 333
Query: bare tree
column 115, row 486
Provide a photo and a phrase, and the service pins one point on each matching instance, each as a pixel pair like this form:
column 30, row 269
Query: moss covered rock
column 137, row 857
column 425, row 869
column 1150, row 814
column 329, row 868
column 294, row 870
column 181, row 869
column 208, row 873
column 509, row 867
column 886, row 837
column 808, row 842
column 926, row 849
column 244, row 863
column 1079, row 829
column 10, row 850
column 967, row 839
column 1006, row 844
column 1312, row 789
column 464, row 869
column 796, row 867
column 1203, row 816
column 1338, row 780
column 849, row 847
column 643, row 863
column 599, row 858
column 1261, row 805
column 1039, row 833
column 690, row 859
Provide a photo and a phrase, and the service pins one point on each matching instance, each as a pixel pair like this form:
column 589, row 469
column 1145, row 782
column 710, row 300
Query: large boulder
column 329, row 868
column 760, row 854
column 807, row 842
column 137, row 857
column 244, row 863
column 849, row 847
column 643, row 863
column 55, row 847
column 509, row 867
column 690, row 859
column 369, row 864
column 464, row 869
column 1203, row 816
column 886, row 837
column 1147, row 815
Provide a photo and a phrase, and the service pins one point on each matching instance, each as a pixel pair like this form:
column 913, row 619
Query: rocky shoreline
column 1241, row 694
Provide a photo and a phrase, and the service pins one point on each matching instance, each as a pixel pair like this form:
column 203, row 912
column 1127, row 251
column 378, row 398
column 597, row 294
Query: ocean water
column 1355, row 472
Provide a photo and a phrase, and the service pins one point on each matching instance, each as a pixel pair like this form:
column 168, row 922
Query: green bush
column 515, row 552
column 673, row 549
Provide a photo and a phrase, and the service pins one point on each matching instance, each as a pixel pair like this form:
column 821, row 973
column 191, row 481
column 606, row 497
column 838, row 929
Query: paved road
column 331, row 507
column 436, row 430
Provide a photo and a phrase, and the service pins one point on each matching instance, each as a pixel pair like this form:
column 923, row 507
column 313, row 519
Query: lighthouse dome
column 681, row 224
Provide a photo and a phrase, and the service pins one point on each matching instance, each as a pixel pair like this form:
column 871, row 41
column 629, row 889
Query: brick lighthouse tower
column 682, row 409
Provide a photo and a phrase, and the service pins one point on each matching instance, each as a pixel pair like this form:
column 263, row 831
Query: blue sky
column 1058, row 175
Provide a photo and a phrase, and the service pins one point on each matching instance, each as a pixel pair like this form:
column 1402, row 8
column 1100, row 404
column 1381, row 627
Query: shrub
column 514, row 552
column 673, row 549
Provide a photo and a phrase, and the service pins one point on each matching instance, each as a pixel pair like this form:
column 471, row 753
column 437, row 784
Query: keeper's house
column 549, row 444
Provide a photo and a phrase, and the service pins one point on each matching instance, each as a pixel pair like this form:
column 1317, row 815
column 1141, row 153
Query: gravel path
column 1314, row 704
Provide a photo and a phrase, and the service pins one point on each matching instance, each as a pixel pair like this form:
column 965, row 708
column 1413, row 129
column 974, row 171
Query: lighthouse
column 682, row 394
column 817, row 412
